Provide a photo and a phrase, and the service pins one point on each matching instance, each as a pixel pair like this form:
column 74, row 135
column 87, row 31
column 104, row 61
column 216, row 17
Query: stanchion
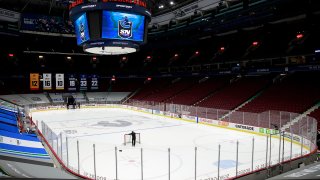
column 219, row 161
column 57, row 145
column 269, row 122
column 280, row 121
column 291, row 143
column 252, row 153
column 116, row 158
column 217, row 114
column 279, row 161
column 270, row 163
column 206, row 113
column 169, row 163
column 267, row 151
column 283, row 133
column 141, row 164
column 302, row 145
column 78, row 156
column 195, row 163
column 237, row 158
column 61, row 147
column 94, row 161
column 67, row 145
column 51, row 137
column 242, row 117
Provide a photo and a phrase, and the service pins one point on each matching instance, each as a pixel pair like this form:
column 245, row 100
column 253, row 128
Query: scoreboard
column 110, row 27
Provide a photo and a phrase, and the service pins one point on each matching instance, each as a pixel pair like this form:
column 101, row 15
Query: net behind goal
column 127, row 139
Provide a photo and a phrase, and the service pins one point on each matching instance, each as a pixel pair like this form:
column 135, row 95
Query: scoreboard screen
column 110, row 27
column 81, row 29
column 123, row 26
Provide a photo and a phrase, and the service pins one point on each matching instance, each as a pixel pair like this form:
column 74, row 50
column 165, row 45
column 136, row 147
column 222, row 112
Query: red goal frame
column 127, row 139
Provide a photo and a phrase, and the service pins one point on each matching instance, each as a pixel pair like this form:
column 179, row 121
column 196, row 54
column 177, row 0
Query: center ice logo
column 125, row 28
column 116, row 123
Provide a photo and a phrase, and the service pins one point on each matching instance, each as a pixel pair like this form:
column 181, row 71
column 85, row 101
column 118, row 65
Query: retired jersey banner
column 59, row 81
column 83, row 82
column 94, row 82
column 47, row 81
column 34, row 81
column 72, row 82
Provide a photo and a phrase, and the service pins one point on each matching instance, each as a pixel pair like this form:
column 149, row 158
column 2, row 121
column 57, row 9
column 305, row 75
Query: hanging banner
column 59, row 81
column 47, row 81
column 34, row 81
column 94, row 82
column 83, row 82
column 72, row 82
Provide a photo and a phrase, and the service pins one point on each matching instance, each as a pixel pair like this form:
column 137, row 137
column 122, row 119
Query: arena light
column 255, row 43
column 148, row 57
column 69, row 58
column 197, row 53
column 113, row 78
column 161, row 6
column 176, row 55
column 40, row 57
column 149, row 78
column 299, row 36
column 171, row 3
column 222, row 49
column 11, row 55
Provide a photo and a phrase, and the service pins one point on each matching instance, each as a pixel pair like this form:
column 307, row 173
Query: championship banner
column 59, row 81
column 34, row 81
column 83, row 82
column 94, row 82
column 72, row 82
column 47, row 81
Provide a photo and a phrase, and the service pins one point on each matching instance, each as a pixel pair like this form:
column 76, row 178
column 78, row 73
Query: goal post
column 127, row 139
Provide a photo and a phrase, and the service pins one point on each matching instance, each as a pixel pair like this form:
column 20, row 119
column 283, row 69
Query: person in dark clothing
column 133, row 138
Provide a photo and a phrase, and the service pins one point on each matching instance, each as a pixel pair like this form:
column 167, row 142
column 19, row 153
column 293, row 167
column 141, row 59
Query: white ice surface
column 106, row 128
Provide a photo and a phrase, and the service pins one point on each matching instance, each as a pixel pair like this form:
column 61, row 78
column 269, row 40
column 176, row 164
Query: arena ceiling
column 60, row 7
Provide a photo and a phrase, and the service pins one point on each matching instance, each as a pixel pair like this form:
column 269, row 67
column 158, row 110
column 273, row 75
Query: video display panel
column 82, row 29
column 123, row 26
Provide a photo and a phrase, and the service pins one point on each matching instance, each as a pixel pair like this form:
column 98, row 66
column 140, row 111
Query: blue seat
column 8, row 121
column 9, row 128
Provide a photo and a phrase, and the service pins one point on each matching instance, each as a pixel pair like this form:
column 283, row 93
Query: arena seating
column 200, row 91
column 152, row 87
column 173, row 89
column 296, row 93
column 237, row 92
column 124, row 85
column 26, row 99
column 16, row 99
column 56, row 97
column 36, row 98
column 107, row 96
column 6, row 105
column 79, row 97
column 11, row 138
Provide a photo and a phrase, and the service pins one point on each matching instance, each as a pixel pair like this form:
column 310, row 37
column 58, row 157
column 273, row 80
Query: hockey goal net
column 128, row 140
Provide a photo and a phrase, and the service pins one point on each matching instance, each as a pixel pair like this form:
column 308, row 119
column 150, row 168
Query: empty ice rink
column 106, row 128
